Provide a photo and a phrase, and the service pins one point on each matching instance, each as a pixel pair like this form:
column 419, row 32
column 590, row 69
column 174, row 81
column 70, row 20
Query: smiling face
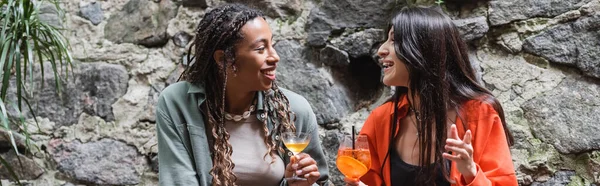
column 255, row 58
column 394, row 69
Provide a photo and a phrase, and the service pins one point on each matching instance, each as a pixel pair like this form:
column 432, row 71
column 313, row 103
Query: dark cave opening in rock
column 365, row 80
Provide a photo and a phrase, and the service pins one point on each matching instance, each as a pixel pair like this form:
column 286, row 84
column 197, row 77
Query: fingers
column 454, row 132
column 451, row 157
column 313, row 176
column 291, row 167
column 307, row 169
column 459, row 144
column 302, row 156
column 306, row 166
column 458, row 151
column 305, row 160
column 351, row 182
column 467, row 138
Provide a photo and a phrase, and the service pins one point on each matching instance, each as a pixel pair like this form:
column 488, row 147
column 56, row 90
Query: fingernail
column 298, row 172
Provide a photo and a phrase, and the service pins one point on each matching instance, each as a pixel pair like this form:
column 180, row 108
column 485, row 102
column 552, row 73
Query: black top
column 403, row 173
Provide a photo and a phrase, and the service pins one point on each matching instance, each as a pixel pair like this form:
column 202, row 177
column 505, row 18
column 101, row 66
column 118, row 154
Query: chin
column 266, row 87
column 392, row 83
column 388, row 82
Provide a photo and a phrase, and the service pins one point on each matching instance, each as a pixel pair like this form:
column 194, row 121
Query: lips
column 386, row 63
column 269, row 73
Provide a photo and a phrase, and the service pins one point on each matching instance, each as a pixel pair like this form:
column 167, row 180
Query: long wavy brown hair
column 220, row 29
column 440, row 72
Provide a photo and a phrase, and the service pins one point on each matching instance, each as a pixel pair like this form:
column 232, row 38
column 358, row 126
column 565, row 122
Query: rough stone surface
column 327, row 55
column 359, row 43
column 93, row 89
column 274, row 8
column 28, row 171
column 559, row 178
column 187, row 20
column 6, row 142
column 92, row 12
column 297, row 74
column 567, row 117
column 327, row 18
column 194, row 3
column 334, row 57
column 49, row 14
column 145, row 24
column 472, row 28
column 505, row 11
column 510, row 42
column 330, row 144
column 575, row 43
column 498, row 75
column 88, row 162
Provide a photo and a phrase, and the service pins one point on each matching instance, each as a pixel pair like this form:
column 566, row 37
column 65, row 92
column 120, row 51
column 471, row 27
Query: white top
column 249, row 148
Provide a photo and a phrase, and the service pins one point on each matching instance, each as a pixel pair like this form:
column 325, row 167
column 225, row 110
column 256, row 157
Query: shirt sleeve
column 374, row 175
column 491, row 150
column 314, row 148
column 175, row 166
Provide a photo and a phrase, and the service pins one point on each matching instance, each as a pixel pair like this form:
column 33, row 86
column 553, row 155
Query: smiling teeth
column 386, row 65
column 270, row 72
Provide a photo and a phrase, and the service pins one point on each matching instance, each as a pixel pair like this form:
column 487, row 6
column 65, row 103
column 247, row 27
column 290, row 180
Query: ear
column 219, row 56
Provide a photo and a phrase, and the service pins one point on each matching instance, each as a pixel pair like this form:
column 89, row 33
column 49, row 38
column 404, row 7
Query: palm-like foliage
column 26, row 41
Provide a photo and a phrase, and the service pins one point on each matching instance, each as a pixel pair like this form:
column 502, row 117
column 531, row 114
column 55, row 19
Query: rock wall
column 540, row 58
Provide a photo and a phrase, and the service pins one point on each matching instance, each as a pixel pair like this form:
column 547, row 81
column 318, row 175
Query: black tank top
column 403, row 173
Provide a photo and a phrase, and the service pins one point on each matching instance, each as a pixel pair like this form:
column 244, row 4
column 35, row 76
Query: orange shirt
column 490, row 147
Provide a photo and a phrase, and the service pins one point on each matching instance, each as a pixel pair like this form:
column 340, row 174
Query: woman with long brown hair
column 440, row 127
column 222, row 124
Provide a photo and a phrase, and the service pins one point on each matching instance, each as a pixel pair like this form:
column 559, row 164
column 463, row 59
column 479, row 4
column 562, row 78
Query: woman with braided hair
column 222, row 123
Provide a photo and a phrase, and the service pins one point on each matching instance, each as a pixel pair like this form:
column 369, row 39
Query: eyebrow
column 259, row 40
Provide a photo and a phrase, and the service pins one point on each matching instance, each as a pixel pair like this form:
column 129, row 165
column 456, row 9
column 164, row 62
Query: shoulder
column 476, row 108
column 481, row 115
column 383, row 111
column 175, row 90
column 176, row 94
column 379, row 117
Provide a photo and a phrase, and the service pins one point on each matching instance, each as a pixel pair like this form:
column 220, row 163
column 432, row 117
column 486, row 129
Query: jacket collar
column 403, row 106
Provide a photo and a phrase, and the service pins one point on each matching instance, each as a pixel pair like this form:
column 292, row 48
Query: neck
column 238, row 101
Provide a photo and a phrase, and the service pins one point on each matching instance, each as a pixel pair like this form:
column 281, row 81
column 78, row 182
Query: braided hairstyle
column 220, row 29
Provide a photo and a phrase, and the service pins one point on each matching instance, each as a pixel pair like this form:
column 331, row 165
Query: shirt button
column 277, row 137
column 290, row 154
column 263, row 116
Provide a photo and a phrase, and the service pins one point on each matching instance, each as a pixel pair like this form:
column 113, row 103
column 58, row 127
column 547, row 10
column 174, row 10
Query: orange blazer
column 491, row 152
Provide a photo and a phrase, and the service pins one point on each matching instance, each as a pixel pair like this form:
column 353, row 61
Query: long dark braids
column 220, row 29
column 440, row 72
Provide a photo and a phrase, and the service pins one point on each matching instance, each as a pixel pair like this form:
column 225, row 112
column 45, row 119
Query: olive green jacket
column 183, row 152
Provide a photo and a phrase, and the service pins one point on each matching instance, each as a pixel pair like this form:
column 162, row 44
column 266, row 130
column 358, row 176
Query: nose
column 383, row 51
column 273, row 57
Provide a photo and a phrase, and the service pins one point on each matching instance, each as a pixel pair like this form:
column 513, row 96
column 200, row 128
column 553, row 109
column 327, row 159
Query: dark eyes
column 260, row 49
